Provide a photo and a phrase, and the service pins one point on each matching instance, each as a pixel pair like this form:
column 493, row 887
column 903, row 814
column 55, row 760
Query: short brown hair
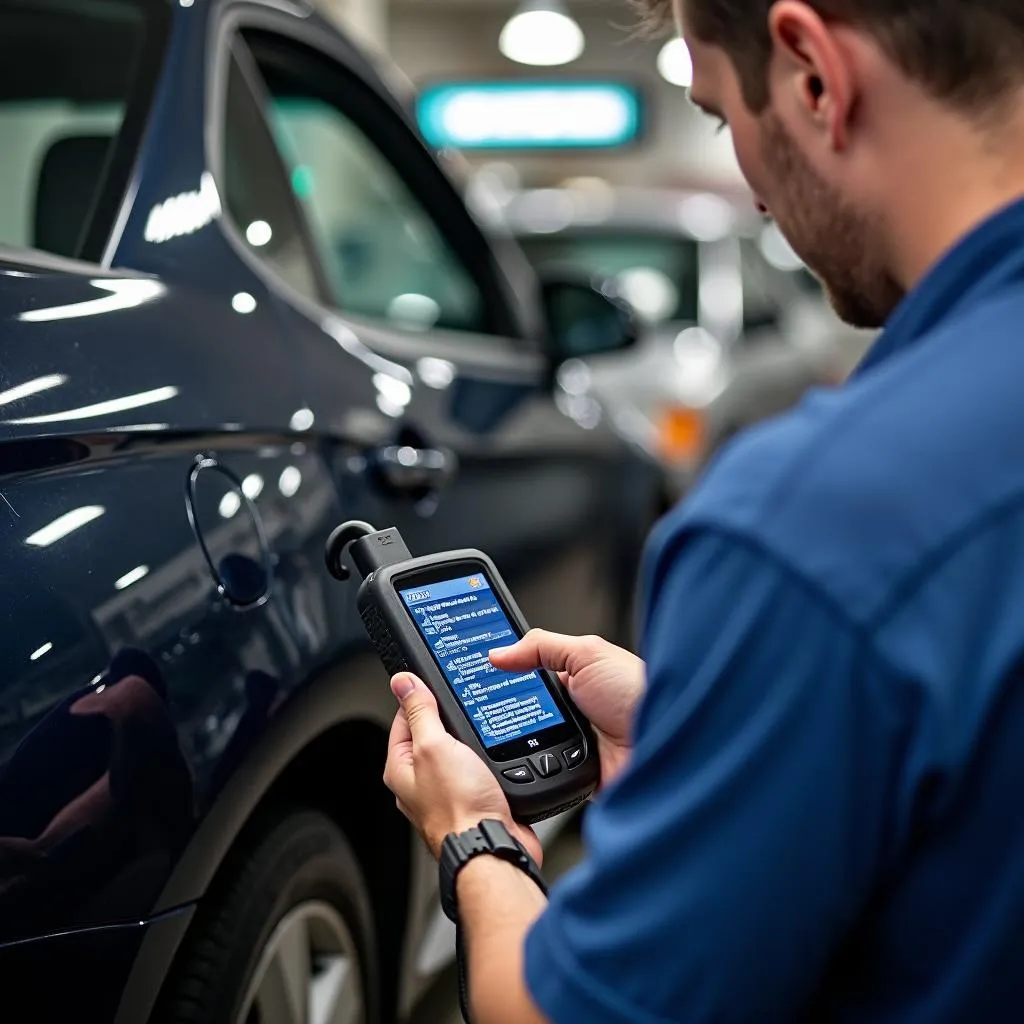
column 969, row 53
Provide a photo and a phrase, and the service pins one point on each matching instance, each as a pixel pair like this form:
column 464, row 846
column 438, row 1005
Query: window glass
column 383, row 254
column 67, row 75
column 659, row 275
column 257, row 194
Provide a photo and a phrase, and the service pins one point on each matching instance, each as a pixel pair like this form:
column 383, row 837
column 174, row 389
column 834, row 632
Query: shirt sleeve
column 724, row 865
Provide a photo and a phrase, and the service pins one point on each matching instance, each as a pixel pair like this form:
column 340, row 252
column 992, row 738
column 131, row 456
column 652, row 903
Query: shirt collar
column 988, row 258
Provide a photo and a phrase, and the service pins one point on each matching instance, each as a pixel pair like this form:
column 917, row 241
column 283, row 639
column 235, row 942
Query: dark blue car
column 240, row 302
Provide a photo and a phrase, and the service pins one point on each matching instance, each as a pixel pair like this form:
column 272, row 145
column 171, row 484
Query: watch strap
column 489, row 837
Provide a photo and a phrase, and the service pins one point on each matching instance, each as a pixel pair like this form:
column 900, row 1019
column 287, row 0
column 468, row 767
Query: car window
column 257, row 194
column 72, row 72
column 384, row 254
column 658, row 274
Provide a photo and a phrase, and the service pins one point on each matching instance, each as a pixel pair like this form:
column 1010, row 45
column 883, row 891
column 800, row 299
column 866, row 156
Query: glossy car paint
column 175, row 656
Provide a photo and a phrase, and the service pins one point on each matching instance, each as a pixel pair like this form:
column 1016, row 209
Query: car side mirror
column 586, row 317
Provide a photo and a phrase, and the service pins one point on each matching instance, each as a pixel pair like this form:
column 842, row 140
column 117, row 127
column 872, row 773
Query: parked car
column 737, row 329
column 240, row 302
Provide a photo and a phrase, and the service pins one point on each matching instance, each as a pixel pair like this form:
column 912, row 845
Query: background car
column 239, row 302
column 736, row 329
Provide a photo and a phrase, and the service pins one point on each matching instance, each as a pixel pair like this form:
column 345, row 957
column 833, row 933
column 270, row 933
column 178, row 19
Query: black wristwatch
column 490, row 837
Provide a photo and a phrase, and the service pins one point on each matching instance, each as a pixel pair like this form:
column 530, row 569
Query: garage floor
column 441, row 1003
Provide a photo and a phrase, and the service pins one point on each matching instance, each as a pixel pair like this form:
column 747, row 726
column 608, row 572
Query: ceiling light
column 675, row 64
column 63, row 525
column 543, row 34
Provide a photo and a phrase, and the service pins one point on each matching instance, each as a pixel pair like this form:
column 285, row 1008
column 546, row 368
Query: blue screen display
column 462, row 620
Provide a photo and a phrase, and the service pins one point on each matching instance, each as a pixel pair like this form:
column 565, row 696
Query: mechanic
column 813, row 804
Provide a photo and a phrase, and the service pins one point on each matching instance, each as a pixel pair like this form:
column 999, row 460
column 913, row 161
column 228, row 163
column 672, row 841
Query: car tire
column 290, row 929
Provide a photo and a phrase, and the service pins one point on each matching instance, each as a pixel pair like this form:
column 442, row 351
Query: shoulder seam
column 863, row 631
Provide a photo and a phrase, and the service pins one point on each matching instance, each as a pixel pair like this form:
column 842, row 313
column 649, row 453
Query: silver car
column 736, row 328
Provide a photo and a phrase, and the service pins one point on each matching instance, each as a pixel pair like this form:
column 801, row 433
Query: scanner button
column 573, row 756
column 518, row 774
column 546, row 765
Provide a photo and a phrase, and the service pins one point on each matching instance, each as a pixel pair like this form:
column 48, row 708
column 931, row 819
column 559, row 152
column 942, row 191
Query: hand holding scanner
column 438, row 616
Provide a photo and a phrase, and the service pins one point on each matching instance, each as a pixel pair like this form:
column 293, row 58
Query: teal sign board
column 530, row 115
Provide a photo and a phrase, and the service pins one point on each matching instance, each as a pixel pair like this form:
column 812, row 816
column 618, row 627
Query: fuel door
column 230, row 532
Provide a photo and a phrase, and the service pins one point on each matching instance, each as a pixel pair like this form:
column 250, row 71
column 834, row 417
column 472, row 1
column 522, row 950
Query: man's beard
column 838, row 244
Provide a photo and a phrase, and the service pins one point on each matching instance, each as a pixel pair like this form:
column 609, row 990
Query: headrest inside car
column 69, row 179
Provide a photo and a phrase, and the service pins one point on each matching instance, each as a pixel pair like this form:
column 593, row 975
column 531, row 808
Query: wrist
column 436, row 835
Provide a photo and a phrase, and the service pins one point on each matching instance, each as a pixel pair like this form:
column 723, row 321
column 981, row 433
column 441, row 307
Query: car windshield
column 69, row 76
column 657, row 273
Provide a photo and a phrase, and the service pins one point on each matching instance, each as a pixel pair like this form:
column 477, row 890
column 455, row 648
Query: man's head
column 831, row 101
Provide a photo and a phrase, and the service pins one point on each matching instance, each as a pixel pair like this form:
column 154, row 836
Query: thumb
column 419, row 708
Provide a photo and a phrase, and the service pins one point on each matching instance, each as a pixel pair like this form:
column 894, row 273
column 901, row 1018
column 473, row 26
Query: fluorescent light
column 123, row 295
column 31, row 387
column 543, row 35
column 65, row 524
column 243, row 303
column 229, row 505
column 258, row 233
column 530, row 115
column 104, row 408
column 252, row 486
column 290, row 481
column 129, row 578
column 45, row 649
column 302, row 419
column 675, row 64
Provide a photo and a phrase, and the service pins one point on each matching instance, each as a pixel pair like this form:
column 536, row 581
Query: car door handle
column 405, row 468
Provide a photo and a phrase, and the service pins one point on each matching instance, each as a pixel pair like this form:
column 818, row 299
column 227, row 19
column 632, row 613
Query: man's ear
column 813, row 67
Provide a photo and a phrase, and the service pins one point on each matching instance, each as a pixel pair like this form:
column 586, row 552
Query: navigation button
column 518, row 774
column 546, row 765
column 573, row 756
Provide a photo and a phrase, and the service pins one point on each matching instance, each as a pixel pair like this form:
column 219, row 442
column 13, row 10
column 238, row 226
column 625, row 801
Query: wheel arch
column 334, row 729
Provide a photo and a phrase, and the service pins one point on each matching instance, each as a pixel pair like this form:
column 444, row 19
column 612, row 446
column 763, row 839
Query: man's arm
column 738, row 848
column 498, row 904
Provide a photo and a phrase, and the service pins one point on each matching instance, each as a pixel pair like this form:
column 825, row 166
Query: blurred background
column 570, row 132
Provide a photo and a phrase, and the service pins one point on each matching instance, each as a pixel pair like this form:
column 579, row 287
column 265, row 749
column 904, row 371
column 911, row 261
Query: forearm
column 497, row 906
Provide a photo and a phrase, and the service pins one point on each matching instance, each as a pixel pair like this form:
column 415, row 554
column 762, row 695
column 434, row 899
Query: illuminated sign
column 530, row 115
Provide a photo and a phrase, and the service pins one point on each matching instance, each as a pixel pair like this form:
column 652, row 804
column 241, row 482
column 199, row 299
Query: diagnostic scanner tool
column 438, row 616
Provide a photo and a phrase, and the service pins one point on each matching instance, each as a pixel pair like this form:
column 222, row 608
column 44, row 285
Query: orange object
column 682, row 435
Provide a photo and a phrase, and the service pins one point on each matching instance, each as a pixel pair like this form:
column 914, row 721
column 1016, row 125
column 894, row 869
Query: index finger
column 538, row 649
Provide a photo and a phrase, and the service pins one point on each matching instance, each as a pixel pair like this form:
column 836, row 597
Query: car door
column 449, row 407
column 162, row 518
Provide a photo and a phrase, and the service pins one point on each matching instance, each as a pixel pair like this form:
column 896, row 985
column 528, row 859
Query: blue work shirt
column 824, row 814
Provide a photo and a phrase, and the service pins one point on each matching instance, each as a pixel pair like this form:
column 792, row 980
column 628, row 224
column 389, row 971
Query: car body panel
column 172, row 642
